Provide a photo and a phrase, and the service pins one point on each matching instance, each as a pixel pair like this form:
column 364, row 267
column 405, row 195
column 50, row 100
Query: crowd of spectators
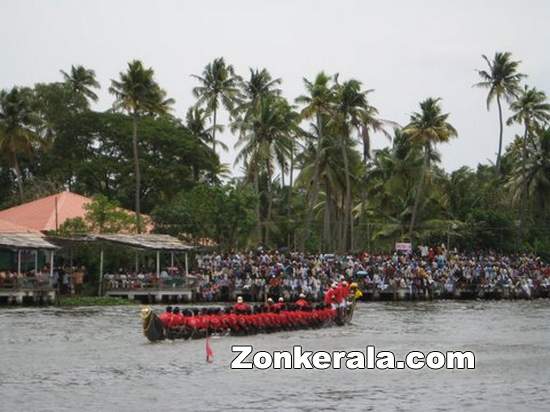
column 67, row 280
column 171, row 277
column 25, row 279
column 431, row 272
column 259, row 274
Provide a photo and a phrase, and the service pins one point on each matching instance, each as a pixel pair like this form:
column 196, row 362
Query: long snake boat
column 203, row 322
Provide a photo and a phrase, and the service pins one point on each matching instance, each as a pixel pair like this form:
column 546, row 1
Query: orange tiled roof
column 45, row 213
column 9, row 227
column 40, row 214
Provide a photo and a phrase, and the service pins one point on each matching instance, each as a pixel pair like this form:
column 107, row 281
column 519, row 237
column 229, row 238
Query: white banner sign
column 403, row 247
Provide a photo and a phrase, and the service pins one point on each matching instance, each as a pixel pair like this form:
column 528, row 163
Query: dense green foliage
column 75, row 301
column 224, row 214
column 308, row 178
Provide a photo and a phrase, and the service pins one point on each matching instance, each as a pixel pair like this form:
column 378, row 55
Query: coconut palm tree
column 371, row 123
column 264, row 138
column 531, row 178
column 82, row 81
column 16, row 133
column 254, row 94
column 330, row 168
column 317, row 104
column 218, row 86
column 427, row 128
column 138, row 94
column 259, row 84
column 532, row 110
column 503, row 80
column 350, row 103
column 195, row 121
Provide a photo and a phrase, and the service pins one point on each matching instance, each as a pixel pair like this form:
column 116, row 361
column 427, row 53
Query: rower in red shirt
column 177, row 318
column 302, row 302
column 166, row 317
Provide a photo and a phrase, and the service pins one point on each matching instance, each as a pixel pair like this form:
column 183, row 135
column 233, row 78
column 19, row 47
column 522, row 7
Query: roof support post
column 35, row 261
column 158, row 266
column 186, row 265
column 51, row 263
column 100, row 290
column 19, row 261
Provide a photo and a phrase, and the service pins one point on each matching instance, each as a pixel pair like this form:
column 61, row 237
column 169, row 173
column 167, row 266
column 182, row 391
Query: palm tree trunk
column 269, row 202
column 214, row 130
column 258, row 204
column 315, row 191
column 419, row 191
column 136, row 171
column 289, row 200
column 326, row 222
column 347, row 202
column 351, row 227
column 18, row 176
column 337, row 236
column 363, row 220
column 501, row 129
column 366, row 145
column 524, row 188
column 342, row 218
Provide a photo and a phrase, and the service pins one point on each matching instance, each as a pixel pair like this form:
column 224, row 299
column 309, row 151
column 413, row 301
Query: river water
column 96, row 359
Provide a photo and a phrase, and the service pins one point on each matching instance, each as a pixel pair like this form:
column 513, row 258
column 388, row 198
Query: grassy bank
column 94, row 301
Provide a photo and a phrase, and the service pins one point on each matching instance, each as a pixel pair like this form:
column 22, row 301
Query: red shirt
column 339, row 293
column 302, row 303
column 241, row 307
column 345, row 290
column 166, row 319
column 330, row 296
column 215, row 322
column 201, row 322
column 177, row 319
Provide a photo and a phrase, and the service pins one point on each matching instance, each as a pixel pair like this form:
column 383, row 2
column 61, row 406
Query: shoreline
column 96, row 301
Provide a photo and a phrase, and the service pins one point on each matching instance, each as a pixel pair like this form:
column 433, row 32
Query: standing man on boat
column 241, row 306
column 279, row 305
column 302, row 302
column 330, row 296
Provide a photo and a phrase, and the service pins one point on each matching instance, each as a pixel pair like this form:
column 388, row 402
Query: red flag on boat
column 209, row 351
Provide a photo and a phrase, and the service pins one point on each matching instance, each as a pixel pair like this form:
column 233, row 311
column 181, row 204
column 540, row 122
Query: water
column 96, row 359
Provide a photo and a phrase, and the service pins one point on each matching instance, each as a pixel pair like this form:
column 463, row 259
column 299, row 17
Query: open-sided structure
column 35, row 242
column 27, row 241
column 158, row 243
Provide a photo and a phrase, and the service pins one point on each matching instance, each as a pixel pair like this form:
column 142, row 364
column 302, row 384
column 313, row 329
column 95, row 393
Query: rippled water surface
column 96, row 359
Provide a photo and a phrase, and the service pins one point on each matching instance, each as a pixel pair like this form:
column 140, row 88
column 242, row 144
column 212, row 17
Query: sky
column 406, row 50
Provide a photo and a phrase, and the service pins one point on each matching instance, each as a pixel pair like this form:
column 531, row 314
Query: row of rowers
column 244, row 316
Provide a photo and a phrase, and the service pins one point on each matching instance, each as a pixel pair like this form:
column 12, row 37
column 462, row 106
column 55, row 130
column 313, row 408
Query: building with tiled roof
column 47, row 213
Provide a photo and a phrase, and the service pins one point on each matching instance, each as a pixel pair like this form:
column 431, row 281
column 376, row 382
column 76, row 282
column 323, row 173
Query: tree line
column 309, row 179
